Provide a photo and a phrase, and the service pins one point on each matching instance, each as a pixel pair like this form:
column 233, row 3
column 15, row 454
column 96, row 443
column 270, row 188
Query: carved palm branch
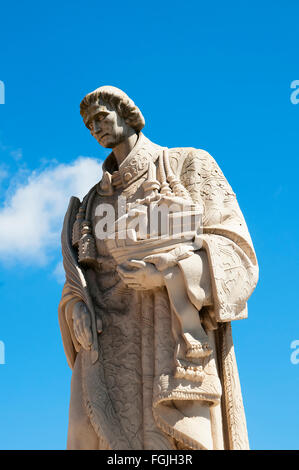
column 75, row 275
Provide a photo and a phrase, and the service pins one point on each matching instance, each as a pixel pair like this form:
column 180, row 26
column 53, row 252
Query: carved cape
column 142, row 359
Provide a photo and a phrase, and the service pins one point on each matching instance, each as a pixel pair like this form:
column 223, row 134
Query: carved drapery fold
column 166, row 372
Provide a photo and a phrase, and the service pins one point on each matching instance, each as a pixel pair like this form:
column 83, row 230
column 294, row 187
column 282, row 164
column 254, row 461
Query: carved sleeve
column 65, row 309
column 230, row 258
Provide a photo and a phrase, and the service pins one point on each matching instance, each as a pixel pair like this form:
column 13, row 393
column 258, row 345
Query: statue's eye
column 101, row 116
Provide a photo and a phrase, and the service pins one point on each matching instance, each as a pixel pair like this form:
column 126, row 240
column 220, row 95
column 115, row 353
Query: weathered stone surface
column 146, row 308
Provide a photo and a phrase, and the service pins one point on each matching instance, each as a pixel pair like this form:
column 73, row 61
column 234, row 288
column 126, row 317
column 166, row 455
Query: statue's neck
column 122, row 150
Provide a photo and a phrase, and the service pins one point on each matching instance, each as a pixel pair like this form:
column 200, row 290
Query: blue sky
column 212, row 75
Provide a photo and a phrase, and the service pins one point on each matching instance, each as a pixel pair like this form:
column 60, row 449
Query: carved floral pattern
column 141, row 344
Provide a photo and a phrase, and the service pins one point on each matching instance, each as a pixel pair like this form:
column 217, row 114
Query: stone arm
column 77, row 319
column 65, row 317
column 223, row 274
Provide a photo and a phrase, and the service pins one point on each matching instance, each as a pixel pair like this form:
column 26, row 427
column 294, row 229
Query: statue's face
column 106, row 126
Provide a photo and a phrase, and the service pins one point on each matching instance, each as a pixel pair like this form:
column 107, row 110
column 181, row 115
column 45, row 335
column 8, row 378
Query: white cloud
column 32, row 216
column 59, row 273
column 3, row 173
column 17, row 154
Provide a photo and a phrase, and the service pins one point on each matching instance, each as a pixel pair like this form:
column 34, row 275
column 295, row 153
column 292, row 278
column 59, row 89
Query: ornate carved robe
column 146, row 390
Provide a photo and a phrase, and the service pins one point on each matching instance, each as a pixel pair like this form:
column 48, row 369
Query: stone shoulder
column 184, row 159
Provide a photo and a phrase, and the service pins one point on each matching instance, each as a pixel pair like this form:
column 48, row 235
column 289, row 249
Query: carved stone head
column 110, row 115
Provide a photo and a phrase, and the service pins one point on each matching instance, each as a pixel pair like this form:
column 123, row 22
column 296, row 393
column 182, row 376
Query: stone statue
column 146, row 309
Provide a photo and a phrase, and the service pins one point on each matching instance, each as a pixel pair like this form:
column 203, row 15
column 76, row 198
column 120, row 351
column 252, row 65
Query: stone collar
column 132, row 168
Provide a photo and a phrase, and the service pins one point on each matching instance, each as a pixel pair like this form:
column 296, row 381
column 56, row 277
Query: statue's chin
column 110, row 144
column 106, row 145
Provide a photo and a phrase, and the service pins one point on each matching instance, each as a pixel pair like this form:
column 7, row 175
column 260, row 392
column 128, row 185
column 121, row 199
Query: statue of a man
column 145, row 318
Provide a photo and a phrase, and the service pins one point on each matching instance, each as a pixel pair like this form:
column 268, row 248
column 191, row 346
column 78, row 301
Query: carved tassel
column 176, row 186
column 76, row 233
column 151, row 185
column 87, row 246
column 165, row 189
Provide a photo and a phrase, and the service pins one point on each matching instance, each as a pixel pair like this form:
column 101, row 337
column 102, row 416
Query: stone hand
column 82, row 325
column 163, row 261
column 145, row 276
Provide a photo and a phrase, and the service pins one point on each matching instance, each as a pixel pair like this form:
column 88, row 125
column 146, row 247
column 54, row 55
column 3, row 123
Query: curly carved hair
column 116, row 98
